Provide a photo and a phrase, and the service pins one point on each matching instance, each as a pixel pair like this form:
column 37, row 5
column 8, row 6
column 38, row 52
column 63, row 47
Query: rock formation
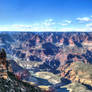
column 9, row 82
column 78, row 72
column 4, row 65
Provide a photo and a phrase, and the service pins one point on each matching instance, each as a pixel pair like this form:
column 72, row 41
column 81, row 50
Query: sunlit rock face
column 49, row 46
column 48, row 52
column 78, row 72
column 5, row 65
column 11, row 77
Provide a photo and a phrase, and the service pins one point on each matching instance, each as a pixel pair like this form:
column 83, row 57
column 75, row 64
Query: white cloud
column 48, row 25
column 86, row 29
column 64, row 24
column 68, row 21
column 41, row 26
column 48, row 22
column 42, row 29
column 47, row 29
column 25, row 26
column 83, row 19
column 89, row 25
column 66, row 29
column 15, row 27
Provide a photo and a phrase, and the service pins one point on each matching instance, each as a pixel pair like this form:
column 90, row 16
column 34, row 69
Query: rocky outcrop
column 77, row 87
column 49, row 51
column 78, row 72
column 10, row 82
column 4, row 65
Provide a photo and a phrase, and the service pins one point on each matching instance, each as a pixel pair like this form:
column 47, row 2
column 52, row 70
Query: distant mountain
column 48, row 46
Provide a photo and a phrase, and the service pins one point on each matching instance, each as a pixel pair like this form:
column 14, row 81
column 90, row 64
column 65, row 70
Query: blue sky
column 45, row 15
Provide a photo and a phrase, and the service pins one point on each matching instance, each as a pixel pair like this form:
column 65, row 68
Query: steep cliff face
column 4, row 65
column 9, row 82
column 48, row 52
column 12, row 84
column 78, row 72
column 77, row 87
column 47, row 46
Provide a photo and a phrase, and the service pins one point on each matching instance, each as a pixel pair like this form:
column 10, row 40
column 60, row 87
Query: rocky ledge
column 79, row 73
column 9, row 82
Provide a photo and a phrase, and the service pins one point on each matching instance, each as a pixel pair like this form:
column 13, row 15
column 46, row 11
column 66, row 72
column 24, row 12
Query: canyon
column 52, row 59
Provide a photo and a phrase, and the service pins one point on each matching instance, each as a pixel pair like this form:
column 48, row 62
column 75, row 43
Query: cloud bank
column 51, row 25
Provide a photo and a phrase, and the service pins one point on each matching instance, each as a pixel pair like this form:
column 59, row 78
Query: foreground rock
column 12, row 84
column 8, row 81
